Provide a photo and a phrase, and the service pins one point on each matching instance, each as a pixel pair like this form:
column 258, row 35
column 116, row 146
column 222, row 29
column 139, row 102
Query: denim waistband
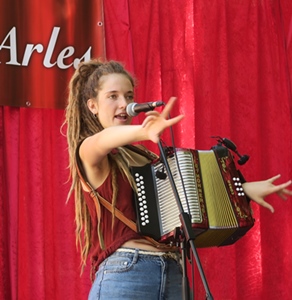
column 170, row 255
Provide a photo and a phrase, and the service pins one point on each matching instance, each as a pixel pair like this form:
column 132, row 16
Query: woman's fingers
column 272, row 179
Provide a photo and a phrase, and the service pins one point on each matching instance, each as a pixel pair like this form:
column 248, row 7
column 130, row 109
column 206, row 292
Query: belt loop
column 136, row 256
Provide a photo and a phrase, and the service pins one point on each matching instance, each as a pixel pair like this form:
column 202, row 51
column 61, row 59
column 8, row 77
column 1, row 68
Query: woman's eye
column 130, row 97
column 113, row 96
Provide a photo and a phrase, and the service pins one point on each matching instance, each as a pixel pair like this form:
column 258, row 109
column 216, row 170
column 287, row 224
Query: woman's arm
column 258, row 190
column 96, row 147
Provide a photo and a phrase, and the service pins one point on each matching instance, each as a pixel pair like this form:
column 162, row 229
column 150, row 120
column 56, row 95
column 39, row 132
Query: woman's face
column 115, row 93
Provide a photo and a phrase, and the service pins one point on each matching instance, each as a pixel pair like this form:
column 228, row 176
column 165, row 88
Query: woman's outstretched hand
column 156, row 122
column 258, row 190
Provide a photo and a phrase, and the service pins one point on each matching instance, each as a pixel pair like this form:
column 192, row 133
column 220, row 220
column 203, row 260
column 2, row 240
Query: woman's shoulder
column 143, row 151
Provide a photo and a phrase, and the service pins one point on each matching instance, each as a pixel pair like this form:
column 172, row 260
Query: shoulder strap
column 99, row 199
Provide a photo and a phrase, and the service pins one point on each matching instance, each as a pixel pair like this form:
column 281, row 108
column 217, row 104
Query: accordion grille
column 184, row 179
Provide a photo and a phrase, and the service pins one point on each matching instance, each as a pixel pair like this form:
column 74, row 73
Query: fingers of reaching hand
column 282, row 193
column 152, row 116
column 281, row 188
column 269, row 206
column 149, row 119
column 168, row 107
column 266, row 205
column 175, row 120
column 272, row 179
column 287, row 192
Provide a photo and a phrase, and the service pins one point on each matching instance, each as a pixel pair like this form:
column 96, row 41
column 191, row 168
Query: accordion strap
column 98, row 199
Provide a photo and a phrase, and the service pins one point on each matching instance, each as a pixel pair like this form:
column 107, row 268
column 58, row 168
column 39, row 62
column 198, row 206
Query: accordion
column 210, row 190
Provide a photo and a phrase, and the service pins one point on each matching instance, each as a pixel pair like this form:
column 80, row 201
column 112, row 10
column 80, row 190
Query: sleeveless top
column 120, row 233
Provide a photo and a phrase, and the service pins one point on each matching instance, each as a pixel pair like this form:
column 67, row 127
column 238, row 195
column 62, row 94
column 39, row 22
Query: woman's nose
column 123, row 102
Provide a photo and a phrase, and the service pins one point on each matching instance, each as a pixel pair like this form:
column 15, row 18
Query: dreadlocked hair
column 81, row 123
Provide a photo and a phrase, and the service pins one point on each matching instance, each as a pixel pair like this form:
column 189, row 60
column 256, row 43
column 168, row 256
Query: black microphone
column 133, row 109
column 230, row 145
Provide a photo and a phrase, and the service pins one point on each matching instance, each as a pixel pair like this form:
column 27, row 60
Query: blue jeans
column 139, row 275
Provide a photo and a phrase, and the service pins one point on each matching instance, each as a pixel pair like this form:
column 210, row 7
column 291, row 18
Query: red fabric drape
column 38, row 250
column 229, row 64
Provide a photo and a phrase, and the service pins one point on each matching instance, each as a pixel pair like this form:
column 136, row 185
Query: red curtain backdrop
column 229, row 64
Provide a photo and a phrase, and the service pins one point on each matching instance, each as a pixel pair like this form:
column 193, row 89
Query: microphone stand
column 187, row 235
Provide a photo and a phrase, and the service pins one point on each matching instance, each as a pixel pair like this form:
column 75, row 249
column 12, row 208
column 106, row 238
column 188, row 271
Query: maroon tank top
column 120, row 233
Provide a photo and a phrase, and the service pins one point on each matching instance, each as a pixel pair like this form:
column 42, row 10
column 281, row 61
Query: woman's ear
column 92, row 105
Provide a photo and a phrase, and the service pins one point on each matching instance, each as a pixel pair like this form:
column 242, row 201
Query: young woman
column 125, row 265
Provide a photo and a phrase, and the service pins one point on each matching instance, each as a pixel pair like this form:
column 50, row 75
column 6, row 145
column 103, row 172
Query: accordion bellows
column 210, row 191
